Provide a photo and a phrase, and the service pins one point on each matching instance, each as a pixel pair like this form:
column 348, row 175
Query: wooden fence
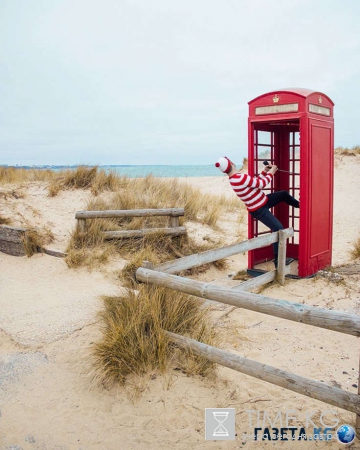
column 162, row 275
column 174, row 228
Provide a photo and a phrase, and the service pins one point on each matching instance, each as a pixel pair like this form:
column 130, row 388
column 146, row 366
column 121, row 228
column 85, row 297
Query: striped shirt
column 248, row 189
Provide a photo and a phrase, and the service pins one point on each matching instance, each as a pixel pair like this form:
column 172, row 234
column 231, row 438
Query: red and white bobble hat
column 224, row 164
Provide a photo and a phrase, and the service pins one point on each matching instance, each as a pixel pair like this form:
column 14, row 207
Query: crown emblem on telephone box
column 276, row 98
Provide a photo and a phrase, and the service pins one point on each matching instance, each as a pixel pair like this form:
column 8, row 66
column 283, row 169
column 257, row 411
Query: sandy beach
column 48, row 324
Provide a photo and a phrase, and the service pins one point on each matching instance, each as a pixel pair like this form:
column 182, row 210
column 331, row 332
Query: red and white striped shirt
column 248, row 188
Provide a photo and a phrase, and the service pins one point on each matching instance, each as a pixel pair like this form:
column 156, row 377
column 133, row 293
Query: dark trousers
column 264, row 215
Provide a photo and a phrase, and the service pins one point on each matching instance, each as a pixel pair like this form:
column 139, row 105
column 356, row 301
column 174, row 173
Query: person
column 258, row 204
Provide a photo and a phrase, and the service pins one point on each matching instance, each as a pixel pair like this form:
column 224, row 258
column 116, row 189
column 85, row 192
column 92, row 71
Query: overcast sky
column 163, row 81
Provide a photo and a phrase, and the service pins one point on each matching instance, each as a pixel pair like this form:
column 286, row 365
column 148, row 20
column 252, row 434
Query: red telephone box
column 294, row 129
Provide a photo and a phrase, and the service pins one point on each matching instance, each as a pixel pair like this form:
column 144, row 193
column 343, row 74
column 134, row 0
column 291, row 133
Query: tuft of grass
column 86, row 177
column 5, row 221
column 353, row 151
column 18, row 175
column 355, row 251
column 35, row 239
column 54, row 188
column 133, row 340
column 157, row 249
column 89, row 249
column 107, row 182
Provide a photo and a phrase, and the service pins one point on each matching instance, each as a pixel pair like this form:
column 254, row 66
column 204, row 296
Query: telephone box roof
column 301, row 92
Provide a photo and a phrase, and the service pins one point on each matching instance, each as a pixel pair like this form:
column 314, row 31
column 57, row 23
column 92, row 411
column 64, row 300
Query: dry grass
column 90, row 249
column 158, row 249
column 19, row 175
column 5, row 221
column 85, row 177
column 133, row 341
column 150, row 192
column 355, row 251
column 35, row 239
column 353, row 151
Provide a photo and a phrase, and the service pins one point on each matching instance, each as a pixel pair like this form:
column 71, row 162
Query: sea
column 139, row 171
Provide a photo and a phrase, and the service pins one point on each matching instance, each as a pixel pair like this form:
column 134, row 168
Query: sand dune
column 48, row 324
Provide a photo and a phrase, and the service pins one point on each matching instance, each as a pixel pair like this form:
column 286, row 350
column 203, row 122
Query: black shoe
column 287, row 262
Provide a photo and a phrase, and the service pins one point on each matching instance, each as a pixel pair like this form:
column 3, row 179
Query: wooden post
column 174, row 221
column 82, row 225
column 311, row 388
column 298, row 312
column 281, row 258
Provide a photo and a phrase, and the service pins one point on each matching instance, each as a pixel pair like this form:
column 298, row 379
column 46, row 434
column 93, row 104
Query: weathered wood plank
column 208, row 256
column 323, row 318
column 81, row 225
column 144, row 232
column 311, row 388
column 256, row 282
column 53, row 252
column 174, row 221
column 281, row 258
column 11, row 240
column 12, row 234
column 12, row 248
column 172, row 212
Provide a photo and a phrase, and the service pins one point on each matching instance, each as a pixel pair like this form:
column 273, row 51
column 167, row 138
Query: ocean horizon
column 138, row 171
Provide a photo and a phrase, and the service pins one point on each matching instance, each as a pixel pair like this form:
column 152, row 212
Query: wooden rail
column 173, row 230
column 310, row 315
column 173, row 212
column 176, row 231
column 162, row 275
column 198, row 259
column 305, row 386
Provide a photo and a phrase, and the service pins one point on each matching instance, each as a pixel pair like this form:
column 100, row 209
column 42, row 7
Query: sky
column 163, row 81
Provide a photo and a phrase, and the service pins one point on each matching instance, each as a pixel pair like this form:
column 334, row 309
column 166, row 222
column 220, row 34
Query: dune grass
column 90, row 249
column 353, row 151
column 355, row 251
column 157, row 249
column 19, row 175
column 133, row 341
column 35, row 239
column 85, row 177
column 5, row 221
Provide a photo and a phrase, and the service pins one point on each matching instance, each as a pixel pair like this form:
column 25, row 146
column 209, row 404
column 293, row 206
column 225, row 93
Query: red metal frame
column 296, row 127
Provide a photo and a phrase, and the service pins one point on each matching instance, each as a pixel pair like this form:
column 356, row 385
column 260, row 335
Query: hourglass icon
column 220, row 417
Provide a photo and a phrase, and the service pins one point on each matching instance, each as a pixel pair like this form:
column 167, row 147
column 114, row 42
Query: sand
column 48, row 324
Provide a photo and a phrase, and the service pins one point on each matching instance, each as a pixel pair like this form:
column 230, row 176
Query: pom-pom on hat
column 224, row 164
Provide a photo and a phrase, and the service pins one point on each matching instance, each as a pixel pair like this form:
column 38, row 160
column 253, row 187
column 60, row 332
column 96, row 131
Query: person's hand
column 267, row 168
column 273, row 169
